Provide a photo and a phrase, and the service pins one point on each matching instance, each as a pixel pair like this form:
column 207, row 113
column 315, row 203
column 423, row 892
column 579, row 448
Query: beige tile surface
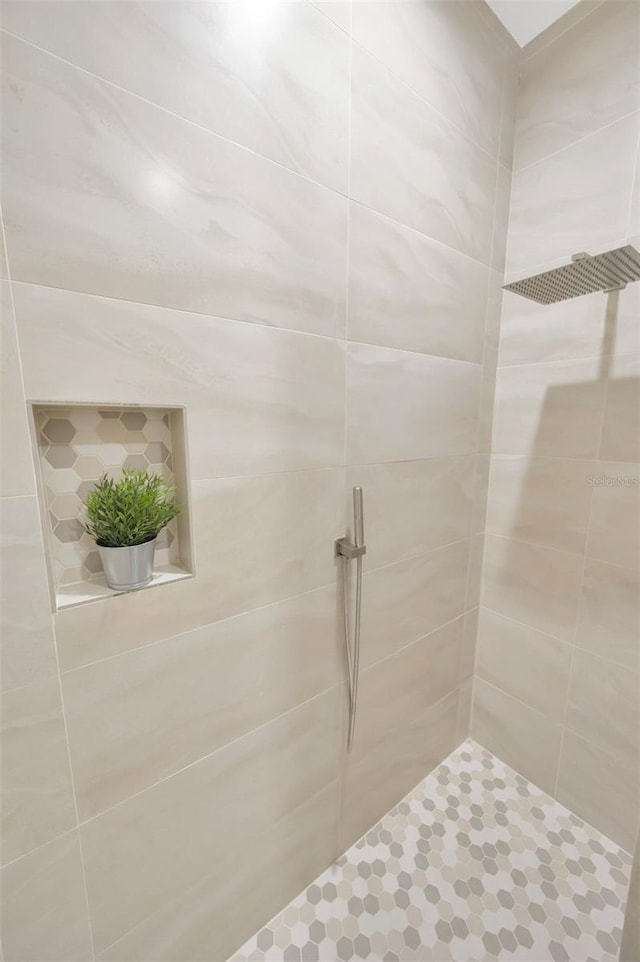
column 144, row 854
column 524, row 663
column 339, row 11
column 405, row 601
column 411, row 164
column 621, row 428
column 501, row 219
column 396, row 763
column 410, row 292
column 609, row 800
column 16, row 472
column 412, row 506
column 563, row 204
column 520, row 736
column 37, row 793
column 558, row 104
column 448, row 54
column 28, row 645
column 630, row 946
column 540, row 500
column 481, row 493
column 466, row 664
column 609, row 622
column 475, row 571
column 286, row 550
column 184, row 698
column 510, row 97
column 465, row 701
column 247, row 888
column 614, row 532
column 44, row 913
column 604, row 707
column 257, row 399
column 275, row 81
column 580, row 327
column 549, row 410
column 180, row 218
column 404, row 406
column 532, row 584
column 395, row 692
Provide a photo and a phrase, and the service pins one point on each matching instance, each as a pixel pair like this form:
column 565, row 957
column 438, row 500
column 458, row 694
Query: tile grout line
column 482, row 532
column 249, row 611
column 58, row 677
column 296, row 173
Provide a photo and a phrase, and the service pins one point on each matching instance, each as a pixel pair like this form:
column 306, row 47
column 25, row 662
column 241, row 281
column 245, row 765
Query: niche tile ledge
column 85, row 591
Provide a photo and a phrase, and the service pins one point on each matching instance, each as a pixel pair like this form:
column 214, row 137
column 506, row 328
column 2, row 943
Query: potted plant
column 125, row 517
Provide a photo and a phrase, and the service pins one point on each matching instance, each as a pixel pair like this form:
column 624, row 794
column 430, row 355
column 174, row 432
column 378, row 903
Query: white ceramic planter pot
column 128, row 568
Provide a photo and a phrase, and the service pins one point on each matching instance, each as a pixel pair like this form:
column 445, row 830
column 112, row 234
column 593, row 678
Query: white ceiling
column 525, row 19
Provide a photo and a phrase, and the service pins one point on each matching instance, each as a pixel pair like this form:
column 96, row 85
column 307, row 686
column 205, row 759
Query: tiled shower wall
column 557, row 687
column 290, row 219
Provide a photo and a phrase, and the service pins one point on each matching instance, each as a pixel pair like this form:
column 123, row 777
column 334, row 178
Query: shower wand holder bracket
column 347, row 549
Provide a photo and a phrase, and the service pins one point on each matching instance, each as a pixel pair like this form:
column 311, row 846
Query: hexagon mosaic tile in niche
column 77, row 445
column 475, row 864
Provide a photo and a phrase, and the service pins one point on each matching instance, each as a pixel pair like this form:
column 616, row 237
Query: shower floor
column 476, row 863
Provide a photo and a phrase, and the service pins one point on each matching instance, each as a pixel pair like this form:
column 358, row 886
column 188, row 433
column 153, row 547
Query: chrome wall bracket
column 347, row 549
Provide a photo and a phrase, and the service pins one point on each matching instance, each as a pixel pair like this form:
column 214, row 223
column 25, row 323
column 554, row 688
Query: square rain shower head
column 603, row 272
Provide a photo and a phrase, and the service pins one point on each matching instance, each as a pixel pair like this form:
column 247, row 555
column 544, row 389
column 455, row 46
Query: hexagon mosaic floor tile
column 476, row 863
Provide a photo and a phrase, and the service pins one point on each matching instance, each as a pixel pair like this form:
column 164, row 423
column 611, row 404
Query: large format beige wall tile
column 501, row 219
column 541, row 500
column 182, row 699
column 549, row 410
column 242, row 891
column 257, row 399
column 523, row 662
column 178, row 217
column 274, row 79
column 448, row 53
column 535, row 585
column 403, row 406
column 257, row 540
column 565, row 203
column 37, row 793
column 630, row 947
column 595, row 786
column 410, row 292
column 559, row 102
column 413, row 506
column 398, row 761
column 28, row 645
column 142, row 855
column 604, row 707
column 404, row 601
column 394, row 693
column 621, row 428
column 614, row 532
column 44, row 912
column 600, row 324
column 609, row 621
column 517, row 734
column 16, row 470
column 411, row 164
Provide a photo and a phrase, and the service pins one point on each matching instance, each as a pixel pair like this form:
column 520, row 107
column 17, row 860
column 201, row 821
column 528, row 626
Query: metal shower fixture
column 610, row 271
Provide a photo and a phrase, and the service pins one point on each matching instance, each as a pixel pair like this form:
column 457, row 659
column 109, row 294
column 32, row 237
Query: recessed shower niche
column 76, row 444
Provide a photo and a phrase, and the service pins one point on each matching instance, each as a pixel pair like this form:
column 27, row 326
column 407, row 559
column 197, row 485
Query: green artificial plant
column 135, row 509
